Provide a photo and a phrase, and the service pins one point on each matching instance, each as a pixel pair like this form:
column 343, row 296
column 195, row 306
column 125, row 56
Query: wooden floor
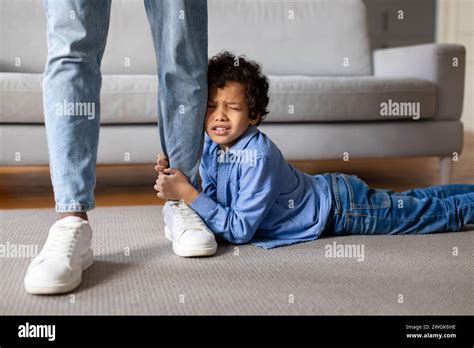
column 30, row 187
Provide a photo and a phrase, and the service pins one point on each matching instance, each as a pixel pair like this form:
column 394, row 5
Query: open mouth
column 220, row 130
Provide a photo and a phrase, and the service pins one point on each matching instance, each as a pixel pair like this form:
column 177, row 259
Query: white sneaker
column 67, row 252
column 189, row 234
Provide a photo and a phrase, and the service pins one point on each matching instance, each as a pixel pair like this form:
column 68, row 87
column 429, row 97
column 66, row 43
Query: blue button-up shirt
column 252, row 194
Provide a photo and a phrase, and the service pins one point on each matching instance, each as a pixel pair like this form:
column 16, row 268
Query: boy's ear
column 253, row 122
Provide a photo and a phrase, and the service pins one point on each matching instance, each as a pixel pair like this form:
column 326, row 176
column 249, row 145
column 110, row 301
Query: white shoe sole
column 63, row 287
column 189, row 252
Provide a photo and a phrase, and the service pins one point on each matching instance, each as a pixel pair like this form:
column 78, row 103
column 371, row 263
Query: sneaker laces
column 61, row 240
column 187, row 217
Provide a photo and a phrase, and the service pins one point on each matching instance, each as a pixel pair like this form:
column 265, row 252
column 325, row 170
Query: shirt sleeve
column 207, row 181
column 257, row 191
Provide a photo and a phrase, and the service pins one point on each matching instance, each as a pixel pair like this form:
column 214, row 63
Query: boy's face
column 227, row 115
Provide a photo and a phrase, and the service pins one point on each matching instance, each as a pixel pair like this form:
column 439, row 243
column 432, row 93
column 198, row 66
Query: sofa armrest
column 442, row 64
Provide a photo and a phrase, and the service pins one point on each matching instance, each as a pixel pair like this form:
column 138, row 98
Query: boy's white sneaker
column 187, row 231
column 67, row 252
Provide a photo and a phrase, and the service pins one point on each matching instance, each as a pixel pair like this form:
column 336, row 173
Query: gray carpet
column 292, row 280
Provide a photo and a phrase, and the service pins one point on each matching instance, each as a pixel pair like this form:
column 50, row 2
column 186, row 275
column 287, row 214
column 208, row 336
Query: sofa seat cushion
column 133, row 98
column 354, row 98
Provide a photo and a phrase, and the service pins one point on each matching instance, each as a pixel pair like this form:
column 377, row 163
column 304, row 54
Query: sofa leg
column 445, row 169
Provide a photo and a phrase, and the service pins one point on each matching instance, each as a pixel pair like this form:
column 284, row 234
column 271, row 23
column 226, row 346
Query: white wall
column 455, row 24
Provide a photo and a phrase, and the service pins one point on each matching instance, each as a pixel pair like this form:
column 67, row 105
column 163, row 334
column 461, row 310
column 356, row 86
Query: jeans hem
column 73, row 207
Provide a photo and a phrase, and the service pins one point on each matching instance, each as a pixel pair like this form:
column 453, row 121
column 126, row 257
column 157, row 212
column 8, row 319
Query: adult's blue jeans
column 359, row 209
column 77, row 35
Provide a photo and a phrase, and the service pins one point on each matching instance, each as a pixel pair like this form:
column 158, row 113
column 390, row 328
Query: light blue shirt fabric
column 252, row 194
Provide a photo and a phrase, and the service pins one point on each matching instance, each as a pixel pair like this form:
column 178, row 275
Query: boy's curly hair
column 225, row 67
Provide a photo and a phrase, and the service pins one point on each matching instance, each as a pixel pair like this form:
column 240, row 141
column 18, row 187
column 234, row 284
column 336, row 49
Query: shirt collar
column 241, row 143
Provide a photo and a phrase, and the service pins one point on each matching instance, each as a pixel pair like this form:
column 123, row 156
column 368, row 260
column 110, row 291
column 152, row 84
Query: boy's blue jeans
column 77, row 34
column 359, row 209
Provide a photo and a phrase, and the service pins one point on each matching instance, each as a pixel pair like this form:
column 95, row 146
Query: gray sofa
column 331, row 97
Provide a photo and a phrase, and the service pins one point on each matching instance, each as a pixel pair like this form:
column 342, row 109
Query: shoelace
column 61, row 240
column 187, row 217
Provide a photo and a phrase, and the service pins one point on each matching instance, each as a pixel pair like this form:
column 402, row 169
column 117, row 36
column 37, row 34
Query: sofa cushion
column 308, row 141
column 288, row 37
column 133, row 98
column 357, row 98
column 24, row 36
column 294, row 37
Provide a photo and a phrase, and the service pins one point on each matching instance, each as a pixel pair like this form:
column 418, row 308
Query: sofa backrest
column 294, row 37
column 129, row 47
column 289, row 37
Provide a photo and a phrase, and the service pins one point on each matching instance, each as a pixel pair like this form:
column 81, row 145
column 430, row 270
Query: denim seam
column 390, row 218
column 374, row 206
column 336, row 193
column 74, row 204
column 104, row 41
column 148, row 11
column 455, row 213
column 424, row 216
column 370, row 207
column 380, row 217
column 62, row 208
column 351, row 193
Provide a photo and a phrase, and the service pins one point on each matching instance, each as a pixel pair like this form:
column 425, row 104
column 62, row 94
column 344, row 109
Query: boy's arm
column 257, row 192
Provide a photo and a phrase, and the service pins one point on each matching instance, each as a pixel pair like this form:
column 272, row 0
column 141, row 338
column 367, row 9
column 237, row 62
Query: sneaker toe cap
column 196, row 238
column 49, row 271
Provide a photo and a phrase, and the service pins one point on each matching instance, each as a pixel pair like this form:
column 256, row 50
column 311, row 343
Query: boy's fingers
column 162, row 162
column 160, row 167
column 162, row 156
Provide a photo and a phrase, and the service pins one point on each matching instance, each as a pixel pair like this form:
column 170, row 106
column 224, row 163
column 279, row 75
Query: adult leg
column 77, row 32
column 179, row 30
